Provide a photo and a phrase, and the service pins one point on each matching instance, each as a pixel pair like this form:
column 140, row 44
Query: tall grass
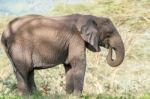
column 130, row 79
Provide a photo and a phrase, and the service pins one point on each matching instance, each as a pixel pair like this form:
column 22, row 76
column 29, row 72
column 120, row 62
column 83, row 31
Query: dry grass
column 132, row 19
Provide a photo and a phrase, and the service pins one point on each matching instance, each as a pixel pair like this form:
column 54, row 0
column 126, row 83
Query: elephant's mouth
column 104, row 44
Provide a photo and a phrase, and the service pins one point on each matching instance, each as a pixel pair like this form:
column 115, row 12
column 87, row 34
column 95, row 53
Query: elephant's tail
column 4, row 41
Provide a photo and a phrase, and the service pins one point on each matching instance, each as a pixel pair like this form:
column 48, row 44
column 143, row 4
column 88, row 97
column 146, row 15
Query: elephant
column 34, row 42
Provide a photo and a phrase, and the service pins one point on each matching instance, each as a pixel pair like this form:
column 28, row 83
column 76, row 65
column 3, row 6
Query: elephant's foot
column 22, row 88
column 23, row 92
column 77, row 93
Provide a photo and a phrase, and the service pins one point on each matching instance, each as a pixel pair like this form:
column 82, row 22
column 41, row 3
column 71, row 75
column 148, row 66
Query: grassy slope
column 132, row 20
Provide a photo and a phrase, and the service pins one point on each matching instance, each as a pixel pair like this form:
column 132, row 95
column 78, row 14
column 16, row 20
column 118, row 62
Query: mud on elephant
column 37, row 42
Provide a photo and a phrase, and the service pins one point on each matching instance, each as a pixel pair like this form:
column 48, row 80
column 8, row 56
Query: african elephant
column 37, row 42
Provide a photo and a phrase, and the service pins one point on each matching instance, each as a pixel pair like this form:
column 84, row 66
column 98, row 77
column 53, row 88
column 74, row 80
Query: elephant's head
column 100, row 31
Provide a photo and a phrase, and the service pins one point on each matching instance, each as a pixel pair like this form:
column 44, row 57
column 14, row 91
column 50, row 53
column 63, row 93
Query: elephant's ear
column 89, row 33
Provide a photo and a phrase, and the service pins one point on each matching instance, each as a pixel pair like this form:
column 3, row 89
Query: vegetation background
column 131, row 80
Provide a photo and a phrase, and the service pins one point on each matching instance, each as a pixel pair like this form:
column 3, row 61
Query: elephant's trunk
column 117, row 45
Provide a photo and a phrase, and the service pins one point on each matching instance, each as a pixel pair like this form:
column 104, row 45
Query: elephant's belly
column 43, row 65
column 42, row 61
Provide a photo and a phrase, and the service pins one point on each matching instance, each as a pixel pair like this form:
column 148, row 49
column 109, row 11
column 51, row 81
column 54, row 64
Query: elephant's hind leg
column 22, row 83
column 25, row 81
column 69, row 78
column 31, row 82
column 21, row 59
column 22, row 76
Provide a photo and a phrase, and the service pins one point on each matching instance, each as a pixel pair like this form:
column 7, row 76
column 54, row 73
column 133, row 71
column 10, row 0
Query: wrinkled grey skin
column 36, row 42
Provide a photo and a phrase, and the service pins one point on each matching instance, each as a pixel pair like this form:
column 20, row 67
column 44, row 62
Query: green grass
column 128, row 81
column 57, row 96
column 36, row 96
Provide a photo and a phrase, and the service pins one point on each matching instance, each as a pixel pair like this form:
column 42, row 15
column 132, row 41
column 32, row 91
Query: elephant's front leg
column 79, row 66
column 77, row 60
column 31, row 82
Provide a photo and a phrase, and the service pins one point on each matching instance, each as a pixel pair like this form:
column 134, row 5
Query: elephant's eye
column 108, row 34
